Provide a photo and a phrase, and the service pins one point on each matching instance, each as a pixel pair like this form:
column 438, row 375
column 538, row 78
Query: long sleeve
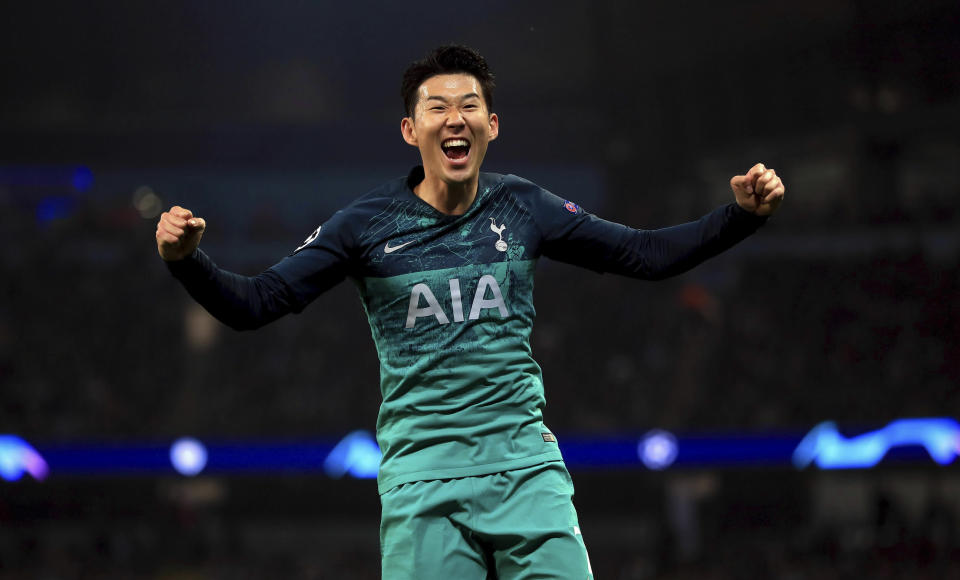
column 249, row 302
column 654, row 254
column 577, row 237
column 240, row 302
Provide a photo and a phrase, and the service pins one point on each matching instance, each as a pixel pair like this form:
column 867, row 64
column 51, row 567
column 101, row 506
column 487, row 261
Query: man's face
column 451, row 126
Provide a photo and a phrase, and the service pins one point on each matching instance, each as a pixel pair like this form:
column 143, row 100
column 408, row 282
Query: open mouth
column 455, row 149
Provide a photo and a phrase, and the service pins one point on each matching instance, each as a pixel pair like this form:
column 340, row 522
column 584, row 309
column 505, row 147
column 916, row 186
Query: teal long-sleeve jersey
column 449, row 299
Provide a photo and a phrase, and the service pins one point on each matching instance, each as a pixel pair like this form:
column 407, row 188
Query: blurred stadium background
column 266, row 117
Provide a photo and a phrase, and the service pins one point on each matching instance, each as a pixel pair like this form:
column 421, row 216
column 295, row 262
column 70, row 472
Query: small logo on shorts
column 549, row 438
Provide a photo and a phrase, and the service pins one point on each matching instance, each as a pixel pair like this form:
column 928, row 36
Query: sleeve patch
column 571, row 207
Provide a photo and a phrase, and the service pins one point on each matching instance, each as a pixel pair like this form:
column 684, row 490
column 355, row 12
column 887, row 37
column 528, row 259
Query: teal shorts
column 511, row 525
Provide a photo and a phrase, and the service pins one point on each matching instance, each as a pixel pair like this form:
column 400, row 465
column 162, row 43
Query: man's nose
column 455, row 118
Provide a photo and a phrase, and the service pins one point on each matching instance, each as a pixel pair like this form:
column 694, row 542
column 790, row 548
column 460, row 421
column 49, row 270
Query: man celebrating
column 472, row 482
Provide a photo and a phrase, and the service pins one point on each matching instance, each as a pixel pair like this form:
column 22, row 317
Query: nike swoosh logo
column 388, row 250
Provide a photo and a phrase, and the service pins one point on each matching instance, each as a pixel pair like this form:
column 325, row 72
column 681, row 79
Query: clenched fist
column 178, row 233
column 760, row 191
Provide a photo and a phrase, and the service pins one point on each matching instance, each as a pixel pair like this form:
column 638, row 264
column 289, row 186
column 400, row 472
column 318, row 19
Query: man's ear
column 408, row 131
column 494, row 126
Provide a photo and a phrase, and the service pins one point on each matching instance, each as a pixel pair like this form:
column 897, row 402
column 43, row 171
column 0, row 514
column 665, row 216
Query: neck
column 448, row 198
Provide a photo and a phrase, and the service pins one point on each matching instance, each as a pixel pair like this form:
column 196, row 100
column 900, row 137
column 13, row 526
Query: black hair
column 449, row 59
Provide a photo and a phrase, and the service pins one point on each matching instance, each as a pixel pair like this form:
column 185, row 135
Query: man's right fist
column 178, row 233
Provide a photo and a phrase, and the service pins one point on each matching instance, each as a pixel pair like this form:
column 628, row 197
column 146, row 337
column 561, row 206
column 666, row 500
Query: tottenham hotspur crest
column 500, row 245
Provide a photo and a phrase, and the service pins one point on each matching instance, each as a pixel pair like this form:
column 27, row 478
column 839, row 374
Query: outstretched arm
column 241, row 302
column 586, row 240
column 662, row 253
column 670, row 251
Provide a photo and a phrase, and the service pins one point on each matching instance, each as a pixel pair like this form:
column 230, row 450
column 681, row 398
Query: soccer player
column 472, row 482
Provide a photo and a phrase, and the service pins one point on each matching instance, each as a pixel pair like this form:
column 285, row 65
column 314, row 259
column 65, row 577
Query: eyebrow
column 444, row 99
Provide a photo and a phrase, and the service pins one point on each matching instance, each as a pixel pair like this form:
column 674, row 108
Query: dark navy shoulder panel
column 568, row 233
column 334, row 250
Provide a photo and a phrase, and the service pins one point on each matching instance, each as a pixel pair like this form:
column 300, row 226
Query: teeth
column 456, row 143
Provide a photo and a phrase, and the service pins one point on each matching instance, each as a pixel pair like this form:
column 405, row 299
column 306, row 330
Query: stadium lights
column 658, row 449
column 188, row 456
column 828, row 449
column 18, row 457
column 357, row 455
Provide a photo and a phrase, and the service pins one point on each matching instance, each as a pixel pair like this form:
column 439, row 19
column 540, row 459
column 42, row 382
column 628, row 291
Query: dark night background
column 264, row 118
